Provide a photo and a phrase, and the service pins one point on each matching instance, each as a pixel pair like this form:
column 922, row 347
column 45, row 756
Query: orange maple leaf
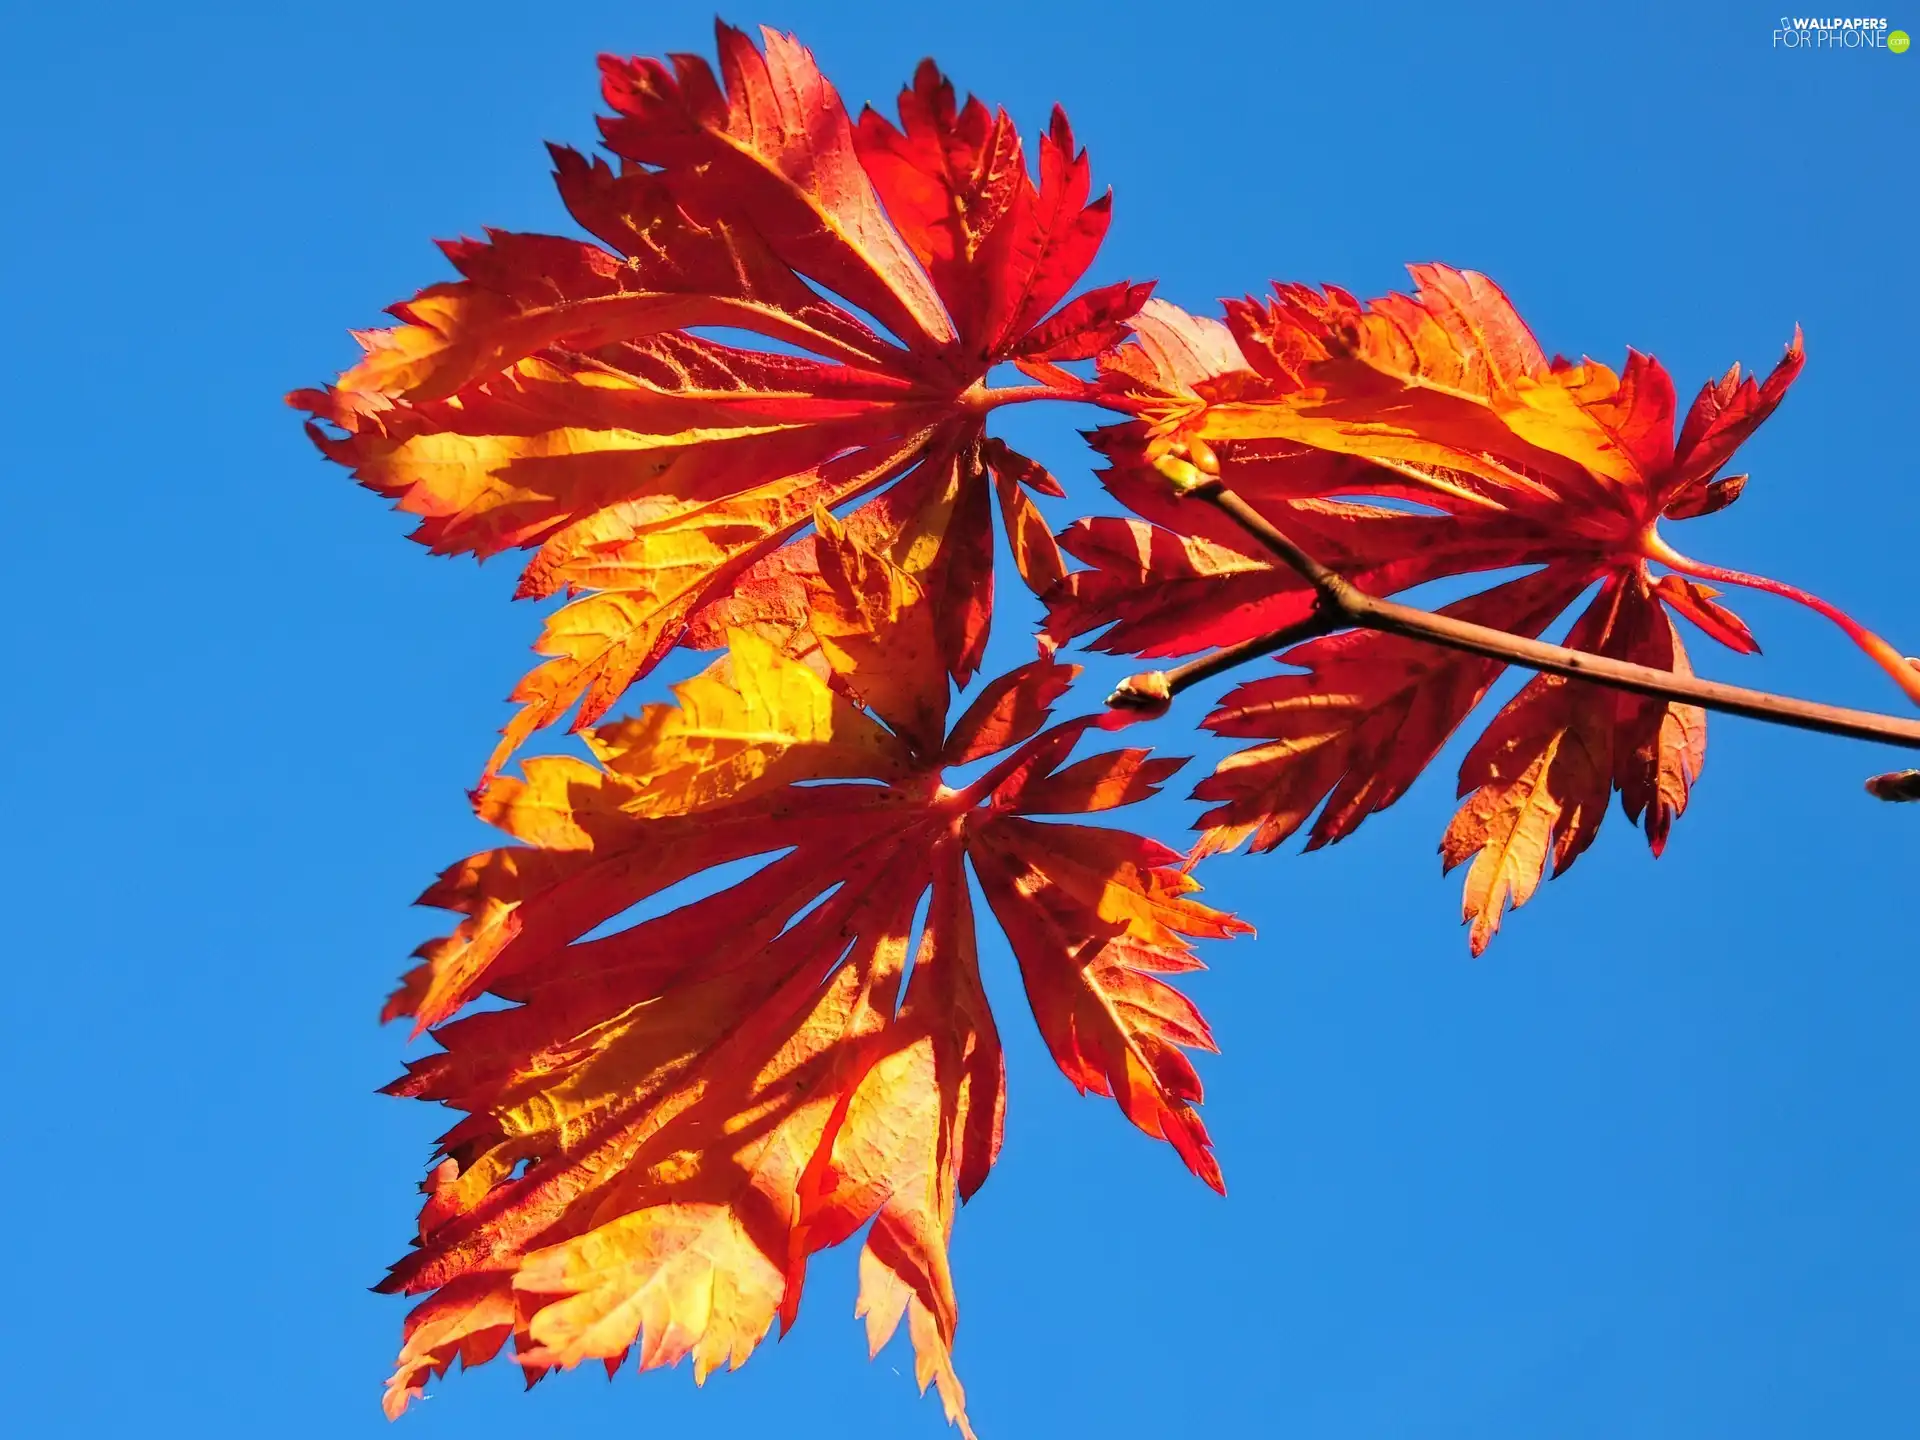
column 571, row 396
column 672, row 1116
column 1315, row 409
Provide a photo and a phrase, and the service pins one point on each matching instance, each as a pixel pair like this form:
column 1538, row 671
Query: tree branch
column 1152, row 689
column 1341, row 603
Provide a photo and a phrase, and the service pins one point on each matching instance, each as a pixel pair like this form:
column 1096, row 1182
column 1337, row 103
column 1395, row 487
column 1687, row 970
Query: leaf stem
column 982, row 397
column 1903, row 671
column 1342, row 603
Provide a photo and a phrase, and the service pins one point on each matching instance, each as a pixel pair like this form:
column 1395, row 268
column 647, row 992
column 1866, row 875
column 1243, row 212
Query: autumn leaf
column 674, row 1113
column 1400, row 442
column 593, row 402
column 1542, row 773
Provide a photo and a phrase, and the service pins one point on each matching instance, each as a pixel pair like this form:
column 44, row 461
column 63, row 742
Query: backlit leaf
column 578, row 399
column 670, row 1116
column 1400, row 442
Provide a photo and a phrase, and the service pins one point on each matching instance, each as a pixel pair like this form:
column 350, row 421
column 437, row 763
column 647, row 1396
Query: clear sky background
column 1648, row 1169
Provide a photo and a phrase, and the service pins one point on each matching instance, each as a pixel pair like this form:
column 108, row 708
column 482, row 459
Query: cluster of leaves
column 750, row 416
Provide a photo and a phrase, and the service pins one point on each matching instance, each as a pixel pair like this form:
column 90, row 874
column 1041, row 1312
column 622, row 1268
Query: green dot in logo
column 1897, row 41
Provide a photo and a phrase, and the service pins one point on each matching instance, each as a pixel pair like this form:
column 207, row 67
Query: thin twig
column 1139, row 692
column 1342, row 603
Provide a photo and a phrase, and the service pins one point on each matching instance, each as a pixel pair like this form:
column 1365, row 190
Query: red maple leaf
column 578, row 399
column 671, row 1117
column 1315, row 409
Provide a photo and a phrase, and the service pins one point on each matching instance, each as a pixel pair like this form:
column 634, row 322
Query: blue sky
column 1647, row 1169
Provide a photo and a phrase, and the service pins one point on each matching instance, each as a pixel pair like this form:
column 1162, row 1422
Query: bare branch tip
column 1147, row 691
column 1898, row 786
